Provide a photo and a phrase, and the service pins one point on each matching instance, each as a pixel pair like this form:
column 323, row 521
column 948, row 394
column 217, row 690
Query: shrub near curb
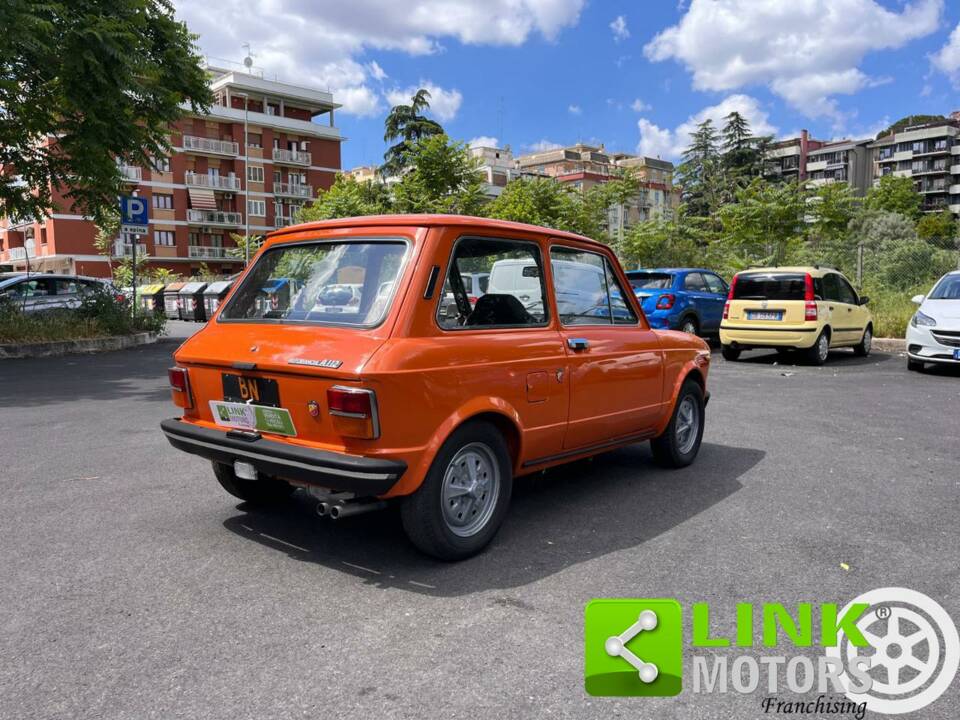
column 10, row 351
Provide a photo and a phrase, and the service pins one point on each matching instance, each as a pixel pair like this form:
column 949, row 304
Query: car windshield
column 947, row 289
column 338, row 283
column 770, row 286
column 651, row 281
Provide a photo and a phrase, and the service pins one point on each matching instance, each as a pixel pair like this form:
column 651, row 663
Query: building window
column 254, row 140
column 257, row 207
column 255, row 173
column 164, row 237
column 161, row 164
column 162, row 201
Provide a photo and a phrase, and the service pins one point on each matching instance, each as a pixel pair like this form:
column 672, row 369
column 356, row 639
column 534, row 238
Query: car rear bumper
column 761, row 336
column 348, row 473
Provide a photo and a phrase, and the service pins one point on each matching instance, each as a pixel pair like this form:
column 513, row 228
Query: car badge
column 764, row 304
column 334, row 364
column 313, row 407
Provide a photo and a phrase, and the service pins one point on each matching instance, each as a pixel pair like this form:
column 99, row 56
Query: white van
column 519, row 277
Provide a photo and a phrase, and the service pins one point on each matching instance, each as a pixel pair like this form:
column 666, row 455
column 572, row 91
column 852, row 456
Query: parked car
column 812, row 309
column 933, row 335
column 398, row 401
column 687, row 299
column 43, row 292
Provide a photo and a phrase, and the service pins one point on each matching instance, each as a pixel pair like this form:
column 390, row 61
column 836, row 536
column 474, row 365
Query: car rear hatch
column 652, row 289
column 769, row 299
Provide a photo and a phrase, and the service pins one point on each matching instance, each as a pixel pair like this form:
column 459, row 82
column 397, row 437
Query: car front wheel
column 914, row 365
column 463, row 500
column 863, row 348
column 678, row 445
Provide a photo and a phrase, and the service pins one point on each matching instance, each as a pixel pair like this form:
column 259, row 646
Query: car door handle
column 831, row 307
column 849, row 309
column 578, row 344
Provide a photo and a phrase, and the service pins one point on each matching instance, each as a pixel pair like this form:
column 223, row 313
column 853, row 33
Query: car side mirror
column 918, row 299
column 864, row 299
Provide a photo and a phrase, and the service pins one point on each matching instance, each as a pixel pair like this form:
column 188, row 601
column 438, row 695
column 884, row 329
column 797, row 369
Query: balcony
column 931, row 171
column 203, row 251
column 930, row 189
column 122, row 249
column 291, row 157
column 196, row 144
column 903, row 155
column 816, row 165
column 214, row 217
column 301, row 191
column 281, row 221
column 955, row 169
column 933, row 151
column 215, row 182
column 130, row 173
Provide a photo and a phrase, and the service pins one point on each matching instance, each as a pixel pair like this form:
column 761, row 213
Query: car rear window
column 650, row 281
column 770, row 286
column 350, row 282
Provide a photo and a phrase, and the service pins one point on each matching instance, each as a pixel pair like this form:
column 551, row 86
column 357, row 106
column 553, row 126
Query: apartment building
column 197, row 195
column 844, row 161
column 930, row 155
column 787, row 159
column 498, row 167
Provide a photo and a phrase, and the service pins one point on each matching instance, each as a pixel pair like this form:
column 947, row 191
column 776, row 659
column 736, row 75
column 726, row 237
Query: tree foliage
column 407, row 125
column 896, row 195
column 907, row 122
column 938, row 229
column 765, row 222
column 348, row 197
column 543, row 201
column 106, row 79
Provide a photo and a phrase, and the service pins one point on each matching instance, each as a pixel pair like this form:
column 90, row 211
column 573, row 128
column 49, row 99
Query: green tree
column 907, row 122
column 699, row 175
column 407, row 125
column 241, row 243
column 739, row 148
column 105, row 79
column 677, row 241
column 442, row 177
column 896, row 195
column 765, row 223
column 829, row 211
column 349, row 198
column 545, row 202
column 620, row 192
column 938, row 229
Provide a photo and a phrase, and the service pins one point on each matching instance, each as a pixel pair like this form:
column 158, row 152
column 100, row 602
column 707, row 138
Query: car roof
column 671, row 270
column 415, row 220
column 811, row 269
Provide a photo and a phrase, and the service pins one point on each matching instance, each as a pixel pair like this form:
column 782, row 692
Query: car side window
column 40, row 287
column 847, row 293
column 831, row 287
column 514, row 295
column 67, row 287
column 694, row 282
column 587, row 290
column 715, row 284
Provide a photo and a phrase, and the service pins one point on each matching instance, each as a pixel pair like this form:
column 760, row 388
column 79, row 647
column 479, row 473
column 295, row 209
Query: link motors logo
column 912, row 655
column 890, row 650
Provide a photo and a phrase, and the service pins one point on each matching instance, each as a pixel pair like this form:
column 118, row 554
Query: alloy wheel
column 471, row 486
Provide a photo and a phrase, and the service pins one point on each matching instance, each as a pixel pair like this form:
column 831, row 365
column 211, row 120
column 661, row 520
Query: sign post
column 134, row 219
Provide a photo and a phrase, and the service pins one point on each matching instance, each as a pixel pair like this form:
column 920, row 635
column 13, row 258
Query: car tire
column 261, row 492
column 690, row 325
column 862, row 349
column 817, row 353
column 914, row 365
column 446, row 522
column 677, row 446
column 730, row 353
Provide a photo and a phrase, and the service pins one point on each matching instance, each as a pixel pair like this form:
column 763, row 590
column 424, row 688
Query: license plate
column 252, row 417
column 764, row 315
column 253, row 390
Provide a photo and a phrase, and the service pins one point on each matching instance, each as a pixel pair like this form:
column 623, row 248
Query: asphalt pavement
column 132, row 586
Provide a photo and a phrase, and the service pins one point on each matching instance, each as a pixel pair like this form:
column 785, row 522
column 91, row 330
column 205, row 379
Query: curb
column 69, row 347
column 890, row 344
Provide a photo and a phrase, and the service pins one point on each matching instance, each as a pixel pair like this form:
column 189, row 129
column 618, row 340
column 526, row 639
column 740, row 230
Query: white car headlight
column 921, row 320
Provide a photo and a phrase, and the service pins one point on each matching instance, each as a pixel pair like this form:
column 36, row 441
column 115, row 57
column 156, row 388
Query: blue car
column 688, row 299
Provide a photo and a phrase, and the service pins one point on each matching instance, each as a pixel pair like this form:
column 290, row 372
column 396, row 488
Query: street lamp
column 246, row 181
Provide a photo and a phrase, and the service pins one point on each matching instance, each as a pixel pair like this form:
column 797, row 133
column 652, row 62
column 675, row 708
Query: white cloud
column 639, row 105
column 620, row 29
column 444, row 104
column 574, row 109
column 543, row 146
column 484, row 141
column 806, row 52
column 947, row 58
column 670, row 144
column 322, row 42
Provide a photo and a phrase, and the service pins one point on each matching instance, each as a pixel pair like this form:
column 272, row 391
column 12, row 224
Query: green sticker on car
column 252, row 417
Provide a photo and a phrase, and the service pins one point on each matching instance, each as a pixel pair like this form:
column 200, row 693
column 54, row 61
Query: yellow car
column 812, row 309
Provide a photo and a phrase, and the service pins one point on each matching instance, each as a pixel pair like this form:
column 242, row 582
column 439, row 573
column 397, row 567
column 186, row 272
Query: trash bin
column 171, row 300
column 150, row 297
column 214, row 295
column 191, row 302
column 273, row 295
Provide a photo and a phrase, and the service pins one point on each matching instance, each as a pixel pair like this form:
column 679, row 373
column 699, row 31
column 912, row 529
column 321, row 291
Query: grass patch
column 892, row 309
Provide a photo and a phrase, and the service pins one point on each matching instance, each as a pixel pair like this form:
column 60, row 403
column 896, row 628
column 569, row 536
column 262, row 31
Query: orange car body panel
column 555, row 404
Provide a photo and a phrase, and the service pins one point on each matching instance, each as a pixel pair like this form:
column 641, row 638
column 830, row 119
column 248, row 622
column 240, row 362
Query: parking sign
column 133, row 215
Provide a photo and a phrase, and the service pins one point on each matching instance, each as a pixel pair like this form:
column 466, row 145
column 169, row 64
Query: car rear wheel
column 863, row 348
column 730, row 353
column 678, row 445
column 817, row 355
column 914, row 365
column 689, row 325
column 260, row 492
column 463, row 500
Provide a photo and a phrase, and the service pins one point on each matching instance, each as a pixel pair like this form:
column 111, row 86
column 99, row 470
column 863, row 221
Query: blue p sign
column 133, row 210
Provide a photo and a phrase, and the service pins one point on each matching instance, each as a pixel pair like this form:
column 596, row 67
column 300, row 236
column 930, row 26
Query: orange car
column 348, row 360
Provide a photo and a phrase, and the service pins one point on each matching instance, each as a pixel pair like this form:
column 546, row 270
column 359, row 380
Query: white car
column 933, row 335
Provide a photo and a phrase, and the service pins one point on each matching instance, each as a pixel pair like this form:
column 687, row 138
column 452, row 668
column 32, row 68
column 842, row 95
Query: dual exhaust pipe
column 338, row 510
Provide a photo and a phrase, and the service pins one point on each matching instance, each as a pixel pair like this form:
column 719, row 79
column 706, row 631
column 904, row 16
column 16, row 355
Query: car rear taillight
column 180, row 387
column 354, row 411
column 810, row 310
column 726, row 310
column 733, row 284
column 665, row 302
column 808, row 293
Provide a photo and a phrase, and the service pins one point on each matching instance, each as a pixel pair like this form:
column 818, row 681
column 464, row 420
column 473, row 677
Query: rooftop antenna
column 248, row 60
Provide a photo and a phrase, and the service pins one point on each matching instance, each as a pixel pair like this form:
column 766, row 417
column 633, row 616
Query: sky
column 635, row 76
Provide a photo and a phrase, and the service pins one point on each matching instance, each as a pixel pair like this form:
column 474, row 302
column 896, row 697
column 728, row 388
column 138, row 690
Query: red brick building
column 196, row 196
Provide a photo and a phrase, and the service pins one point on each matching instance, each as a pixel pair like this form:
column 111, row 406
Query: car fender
column 680, row 364
column 475, row 407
